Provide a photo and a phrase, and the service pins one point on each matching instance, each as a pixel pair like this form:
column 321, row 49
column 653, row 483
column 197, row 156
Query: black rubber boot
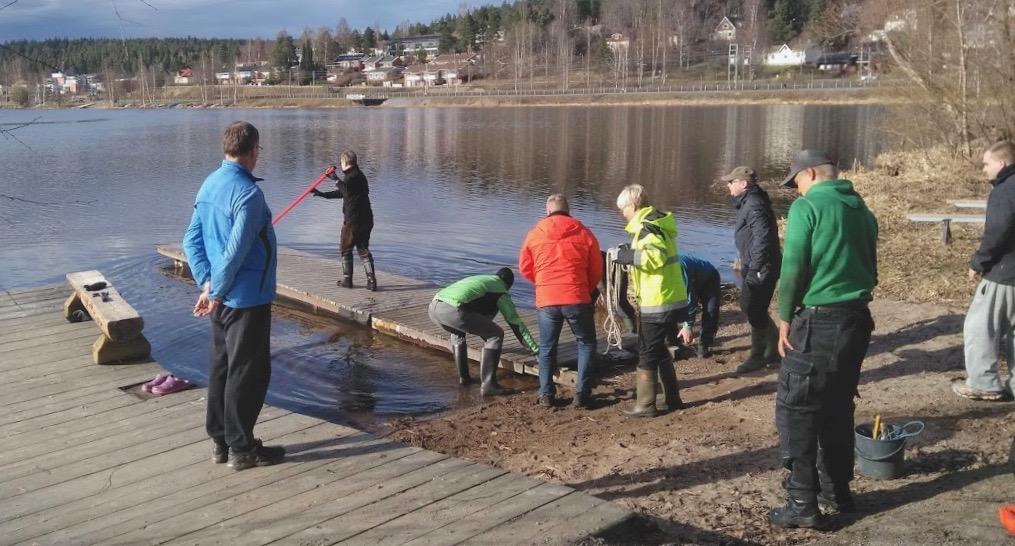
column 798, row 512
column 368, row 267
column 346, row 281
column 645, row 396
column 461, row 355
column 671, row 388
column 759, row 342
column 488, row 374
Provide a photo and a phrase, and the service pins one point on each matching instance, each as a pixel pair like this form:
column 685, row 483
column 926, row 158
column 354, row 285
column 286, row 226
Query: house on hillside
column 785, row 56
column 834, row 62
column 383, row 76
column 184, row 76
column 617, row 43
column 427, row 42
column 350, row 61
column 454, row 68
column 421, row 75
column 377, row 62
column 725, row 31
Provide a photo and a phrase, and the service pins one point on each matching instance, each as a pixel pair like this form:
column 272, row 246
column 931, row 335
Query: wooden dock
column 398, row 308
column 89, row 460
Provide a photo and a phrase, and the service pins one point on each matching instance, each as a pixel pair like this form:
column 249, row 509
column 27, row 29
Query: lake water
column 454, row 192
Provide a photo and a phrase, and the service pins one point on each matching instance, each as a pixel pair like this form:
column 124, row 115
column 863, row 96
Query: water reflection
column 454, row 192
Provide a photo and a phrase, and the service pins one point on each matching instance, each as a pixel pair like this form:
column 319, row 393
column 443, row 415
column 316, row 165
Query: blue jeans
column 582, row 322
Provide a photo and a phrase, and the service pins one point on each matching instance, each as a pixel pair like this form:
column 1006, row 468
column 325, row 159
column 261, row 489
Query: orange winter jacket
column 561, row 257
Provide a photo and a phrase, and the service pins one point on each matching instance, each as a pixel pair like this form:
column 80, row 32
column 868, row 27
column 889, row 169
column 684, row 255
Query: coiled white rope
column 613, row 334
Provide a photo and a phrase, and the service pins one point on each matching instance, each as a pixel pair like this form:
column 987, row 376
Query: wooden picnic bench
column 121, row 325
column 969, row 203
column 946, row 221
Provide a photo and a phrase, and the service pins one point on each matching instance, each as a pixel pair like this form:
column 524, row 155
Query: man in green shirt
column 829, row 270
column 468, row 307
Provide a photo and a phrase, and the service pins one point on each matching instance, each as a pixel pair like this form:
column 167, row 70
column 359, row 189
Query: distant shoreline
column 845, row 96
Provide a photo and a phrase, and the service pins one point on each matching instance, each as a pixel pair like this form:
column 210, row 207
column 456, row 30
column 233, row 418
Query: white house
column 725, row 31
column 618, row 42
column 785, row 56
column 383, row 75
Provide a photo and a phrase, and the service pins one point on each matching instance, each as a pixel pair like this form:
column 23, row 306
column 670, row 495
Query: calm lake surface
column 454, row 192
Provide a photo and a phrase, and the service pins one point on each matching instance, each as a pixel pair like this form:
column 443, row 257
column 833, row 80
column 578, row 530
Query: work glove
column 334, row 173
column 315, row 192
column 621, row 254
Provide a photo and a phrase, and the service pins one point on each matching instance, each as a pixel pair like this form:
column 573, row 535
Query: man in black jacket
column 358, row 221
column 991, row 315
column 757, row 238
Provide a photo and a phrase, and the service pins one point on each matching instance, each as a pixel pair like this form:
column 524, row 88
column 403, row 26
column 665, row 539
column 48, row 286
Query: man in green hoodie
column 468, row 307
column 829, row 270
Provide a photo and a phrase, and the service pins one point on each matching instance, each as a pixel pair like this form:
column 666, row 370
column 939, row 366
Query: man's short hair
column 240, row 138
column 557, row 202
column 633, row 195
column 1004, row 151
column 827, row 171
column 349, row 157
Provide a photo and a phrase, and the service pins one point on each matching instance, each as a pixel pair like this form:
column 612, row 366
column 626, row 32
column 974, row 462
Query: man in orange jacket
column 561, row 257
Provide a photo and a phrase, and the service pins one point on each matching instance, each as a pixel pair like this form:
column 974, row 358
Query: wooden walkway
column 89, row 460
column 398, row 308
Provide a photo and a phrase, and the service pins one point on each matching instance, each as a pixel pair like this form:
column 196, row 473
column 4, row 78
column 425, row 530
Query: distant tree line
column 524, row 39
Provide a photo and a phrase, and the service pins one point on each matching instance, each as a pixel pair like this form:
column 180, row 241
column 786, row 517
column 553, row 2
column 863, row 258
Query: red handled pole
column 327, row 173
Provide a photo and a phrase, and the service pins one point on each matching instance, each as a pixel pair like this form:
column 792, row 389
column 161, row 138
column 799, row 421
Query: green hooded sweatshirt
column 487, row 294
column 830, row 252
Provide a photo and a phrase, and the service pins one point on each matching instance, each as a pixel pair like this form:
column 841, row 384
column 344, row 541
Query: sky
column 40, row 19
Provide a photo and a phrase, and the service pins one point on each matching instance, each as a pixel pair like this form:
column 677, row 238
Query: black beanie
column 506, row 275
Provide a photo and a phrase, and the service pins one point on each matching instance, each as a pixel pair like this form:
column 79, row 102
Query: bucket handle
column 905, row 431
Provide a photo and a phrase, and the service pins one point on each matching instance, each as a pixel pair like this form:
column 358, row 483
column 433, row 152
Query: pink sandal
column 159, row 379
column 171, row 385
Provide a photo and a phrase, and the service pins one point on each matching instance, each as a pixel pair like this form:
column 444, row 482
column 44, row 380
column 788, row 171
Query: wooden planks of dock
column 398, row 308
column 88, row 462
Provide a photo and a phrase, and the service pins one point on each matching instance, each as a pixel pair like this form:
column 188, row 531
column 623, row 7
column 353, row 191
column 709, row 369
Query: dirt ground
column 709, row 474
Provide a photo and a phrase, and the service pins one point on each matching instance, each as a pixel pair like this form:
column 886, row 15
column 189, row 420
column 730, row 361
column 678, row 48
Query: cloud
column 40, row 19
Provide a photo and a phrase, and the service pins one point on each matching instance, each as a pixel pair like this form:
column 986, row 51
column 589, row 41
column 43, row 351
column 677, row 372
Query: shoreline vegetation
column 914, row 265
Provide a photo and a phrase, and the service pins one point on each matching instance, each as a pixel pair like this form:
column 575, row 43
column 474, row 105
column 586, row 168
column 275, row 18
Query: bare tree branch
column 8, row 132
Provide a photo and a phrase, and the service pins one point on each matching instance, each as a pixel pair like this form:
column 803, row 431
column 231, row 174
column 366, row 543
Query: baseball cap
column 806, row 159
column 740, row 173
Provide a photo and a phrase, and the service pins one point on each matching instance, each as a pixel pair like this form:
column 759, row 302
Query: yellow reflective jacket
column 656, row 274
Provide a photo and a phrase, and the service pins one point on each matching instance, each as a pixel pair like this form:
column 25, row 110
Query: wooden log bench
column 120, row 339
column 946, row 221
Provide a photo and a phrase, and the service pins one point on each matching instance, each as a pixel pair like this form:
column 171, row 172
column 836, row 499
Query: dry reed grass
column 913, row 263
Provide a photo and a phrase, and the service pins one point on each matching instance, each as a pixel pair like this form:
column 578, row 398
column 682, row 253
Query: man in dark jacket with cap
column 358, row 219
column 992, row 312
column 829, row 270
column 757, row 238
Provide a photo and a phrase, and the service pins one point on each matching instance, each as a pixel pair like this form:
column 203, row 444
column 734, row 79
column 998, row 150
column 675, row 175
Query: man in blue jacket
column 230, row 246
column 704, row 288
